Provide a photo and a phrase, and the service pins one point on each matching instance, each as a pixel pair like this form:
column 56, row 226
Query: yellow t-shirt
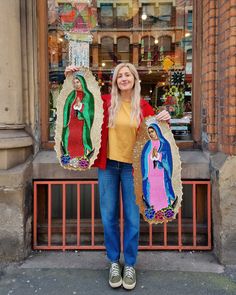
column 122, row 137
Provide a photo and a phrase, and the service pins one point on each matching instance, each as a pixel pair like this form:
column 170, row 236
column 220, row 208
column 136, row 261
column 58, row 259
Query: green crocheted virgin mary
column 78, row 116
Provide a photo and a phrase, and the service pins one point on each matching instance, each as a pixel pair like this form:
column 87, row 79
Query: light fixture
column 144, row 16
column 156, row 41
column 187, row 34
column 103, row 64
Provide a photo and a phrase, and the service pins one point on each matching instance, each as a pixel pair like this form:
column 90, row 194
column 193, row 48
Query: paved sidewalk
column 57, row 273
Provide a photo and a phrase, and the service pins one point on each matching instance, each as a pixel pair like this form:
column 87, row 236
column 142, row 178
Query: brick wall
column 219, row 76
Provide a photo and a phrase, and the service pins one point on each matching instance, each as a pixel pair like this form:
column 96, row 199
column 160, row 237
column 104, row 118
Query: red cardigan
column 101, row 160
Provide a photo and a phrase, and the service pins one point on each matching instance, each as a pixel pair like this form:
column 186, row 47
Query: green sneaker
column 115, row 279
column 129, row 277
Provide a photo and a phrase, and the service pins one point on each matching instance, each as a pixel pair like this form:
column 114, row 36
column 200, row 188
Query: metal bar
column 209, row 212
column 174, row 248
column 67, row 182
column 97, row 247
column 150, row 235
column 149, row 246
column 64, row 216
column 78, row 214
column 194, row 216
column 35, row 216
column 92, row 215
column 74, row 247
column 165, row 233
column 49, row 214
column 195, row 181
column 180, row 228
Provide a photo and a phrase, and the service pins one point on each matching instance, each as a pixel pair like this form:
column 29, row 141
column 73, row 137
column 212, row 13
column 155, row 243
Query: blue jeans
column 109, row 181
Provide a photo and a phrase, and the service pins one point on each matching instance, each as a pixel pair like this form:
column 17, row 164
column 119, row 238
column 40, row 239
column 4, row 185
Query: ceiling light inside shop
column 144, row 16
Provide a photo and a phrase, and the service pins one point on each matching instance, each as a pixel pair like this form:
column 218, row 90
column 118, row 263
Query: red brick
column 225, row 149
column 232, row 21
column 232, row 91
column 229, row 131
column 232, row 150
column 211, row 129
column 212, row 147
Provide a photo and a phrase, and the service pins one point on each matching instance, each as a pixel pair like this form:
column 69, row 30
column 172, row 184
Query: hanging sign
column 157, row 172
column 79, row 121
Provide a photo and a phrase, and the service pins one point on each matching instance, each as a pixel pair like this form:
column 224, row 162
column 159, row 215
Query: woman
column 78, row 116
column 123, row 112
column 157, row 166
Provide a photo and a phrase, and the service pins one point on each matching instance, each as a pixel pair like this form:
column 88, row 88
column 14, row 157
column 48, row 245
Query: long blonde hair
column 115, row 95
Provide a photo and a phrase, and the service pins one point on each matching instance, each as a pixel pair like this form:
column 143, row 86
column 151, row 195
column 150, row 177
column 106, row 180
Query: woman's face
column 125, row 79
column 77, row 84
column 152, row 133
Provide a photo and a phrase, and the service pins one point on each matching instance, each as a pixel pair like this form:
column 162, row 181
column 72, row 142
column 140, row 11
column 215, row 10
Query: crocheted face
column 77, row 84
column 152, row 133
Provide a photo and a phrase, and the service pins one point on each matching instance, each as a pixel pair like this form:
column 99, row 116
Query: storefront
column 173, row 46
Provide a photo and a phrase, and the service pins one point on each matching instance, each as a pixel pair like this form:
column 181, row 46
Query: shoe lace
column 115, row 269
column 129, row 272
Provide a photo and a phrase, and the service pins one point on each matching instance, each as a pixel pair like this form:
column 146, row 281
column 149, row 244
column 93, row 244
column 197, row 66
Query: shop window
column 148, row 14
column 107, row 51
column 165, row 43
column 165, row 10
column 99, row 34
column 123, row 17
column 147, row 50
column 190, row 20
column 106, row 15
column 188, row 67
column 104, row 36
column 123, row 45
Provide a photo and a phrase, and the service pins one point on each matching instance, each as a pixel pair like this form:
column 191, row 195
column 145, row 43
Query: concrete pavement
column 57, row 273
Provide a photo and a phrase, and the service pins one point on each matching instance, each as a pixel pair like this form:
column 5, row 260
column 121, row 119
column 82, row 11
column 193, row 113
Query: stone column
column 16, row 145
column 11, row 106
column 224, row 207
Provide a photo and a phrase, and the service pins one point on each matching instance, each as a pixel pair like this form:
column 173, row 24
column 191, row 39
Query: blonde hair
column 115, row 95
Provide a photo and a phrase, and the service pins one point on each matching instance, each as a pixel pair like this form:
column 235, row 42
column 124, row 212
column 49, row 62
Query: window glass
column 106, row 19
column 123, row 49
column 123, row 17
column 107, row 51
column 165, row 11
column 122, row 11
column 155, row 36
column 190, row 20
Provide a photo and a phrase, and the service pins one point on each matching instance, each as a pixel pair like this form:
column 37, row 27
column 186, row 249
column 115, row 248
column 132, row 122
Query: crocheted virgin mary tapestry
column 157, row 172
column 79, row 121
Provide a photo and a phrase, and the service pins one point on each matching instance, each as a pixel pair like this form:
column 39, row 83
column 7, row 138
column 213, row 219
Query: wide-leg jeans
column 115, row 175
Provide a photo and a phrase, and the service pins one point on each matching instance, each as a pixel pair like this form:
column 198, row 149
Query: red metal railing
column 179, row 226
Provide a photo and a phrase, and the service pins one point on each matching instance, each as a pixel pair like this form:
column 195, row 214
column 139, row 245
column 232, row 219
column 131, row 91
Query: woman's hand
column 70, row 70
column 163, row 116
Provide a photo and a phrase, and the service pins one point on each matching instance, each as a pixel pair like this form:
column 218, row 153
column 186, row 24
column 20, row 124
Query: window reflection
column 106, row 15
column 123, row 49
column 156, row 36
